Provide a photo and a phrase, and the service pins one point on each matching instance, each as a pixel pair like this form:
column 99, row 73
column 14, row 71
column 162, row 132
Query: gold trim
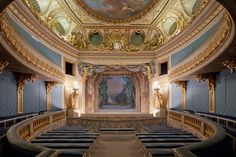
column 118, row 20
column 230, row 64
column 38, row 32
column 210, row 79
column 192, row 35
column 3, row 64
column 20, row 49
column 183, row 87
column 22, row 79
column 214, row 43
column 49, row 85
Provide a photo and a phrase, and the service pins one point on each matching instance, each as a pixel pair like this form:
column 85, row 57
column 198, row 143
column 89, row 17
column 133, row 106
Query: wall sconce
column 75, row 86
column 155, row 112
column 156, row 86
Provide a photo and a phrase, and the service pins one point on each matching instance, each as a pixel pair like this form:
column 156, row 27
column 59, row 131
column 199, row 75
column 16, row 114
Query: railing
column 220, row 120
column 12, row 121
column 19, row 135
column 210, row 132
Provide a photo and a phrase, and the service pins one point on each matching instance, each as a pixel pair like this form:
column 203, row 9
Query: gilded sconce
column 3, row 64
column 183, row 86
column 230, row 64
column 49, row 85
column 22, row 79
column 210, row 79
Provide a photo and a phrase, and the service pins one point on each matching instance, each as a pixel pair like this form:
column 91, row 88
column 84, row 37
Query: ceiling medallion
column 117, row 11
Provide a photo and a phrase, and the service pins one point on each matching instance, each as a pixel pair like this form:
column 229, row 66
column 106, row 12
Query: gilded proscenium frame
column 49, row 85
column 22, row 79
column 183, row 87
column 209, row 78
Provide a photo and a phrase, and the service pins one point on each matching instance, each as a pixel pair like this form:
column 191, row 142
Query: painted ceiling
column 129, row 26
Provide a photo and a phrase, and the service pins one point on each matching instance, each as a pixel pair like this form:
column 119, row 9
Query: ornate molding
column 38, row 31
column 192, row 35
column 22, row 79
column 20, row 49
column 230, row 64
column 49, row 85
column 209, row 78
column 3, row 64
column 211, row 49
column 183, row 87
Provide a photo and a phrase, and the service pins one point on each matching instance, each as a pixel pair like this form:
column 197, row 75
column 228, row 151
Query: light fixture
column 155, row 112
column 75, row 86
column 156, row 85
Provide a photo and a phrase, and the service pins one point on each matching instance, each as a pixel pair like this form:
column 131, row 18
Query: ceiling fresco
column 111, row 26
column 116, row 10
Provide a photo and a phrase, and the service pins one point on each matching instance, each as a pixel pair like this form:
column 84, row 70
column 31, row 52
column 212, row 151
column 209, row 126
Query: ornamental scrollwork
column 3, row 63
column 230, row 64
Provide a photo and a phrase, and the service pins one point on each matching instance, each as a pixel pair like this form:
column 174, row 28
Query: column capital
column 3, row 64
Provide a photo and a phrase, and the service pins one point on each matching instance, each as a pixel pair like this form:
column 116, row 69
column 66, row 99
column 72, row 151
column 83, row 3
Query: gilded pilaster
column 49, row 85
column 3, row 64
column 22, row 79
column 210, row 79
column 183, row 86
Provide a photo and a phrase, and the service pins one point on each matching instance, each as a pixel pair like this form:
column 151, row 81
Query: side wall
column 34, row 98
column 198, row 98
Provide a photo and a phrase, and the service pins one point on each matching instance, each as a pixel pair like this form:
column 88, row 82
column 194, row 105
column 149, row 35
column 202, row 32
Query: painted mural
column 116, row 9
column 116, row 93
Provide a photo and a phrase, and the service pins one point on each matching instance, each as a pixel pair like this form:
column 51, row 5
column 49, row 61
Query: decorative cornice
column 230, row 64
column 20, row 49
column 212, row 45
column 3, row 64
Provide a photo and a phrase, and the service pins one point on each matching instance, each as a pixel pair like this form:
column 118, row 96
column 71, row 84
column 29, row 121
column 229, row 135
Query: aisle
column 117, row 146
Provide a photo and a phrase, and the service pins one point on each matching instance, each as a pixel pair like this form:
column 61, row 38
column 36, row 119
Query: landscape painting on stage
column 116, row 93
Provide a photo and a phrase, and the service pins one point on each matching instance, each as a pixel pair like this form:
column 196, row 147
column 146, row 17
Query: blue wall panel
column 56, row 96
column 225, row 93
column 197, row 96
column 191, row 48
column 8, row 94
column 42, row 49
column 34, row 96
column 176, row 97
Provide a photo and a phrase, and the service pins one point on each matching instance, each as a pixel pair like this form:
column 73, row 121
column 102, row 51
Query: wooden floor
column 117, row 146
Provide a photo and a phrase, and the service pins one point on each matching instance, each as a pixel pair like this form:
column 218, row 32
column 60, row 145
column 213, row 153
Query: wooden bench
column 117, row 130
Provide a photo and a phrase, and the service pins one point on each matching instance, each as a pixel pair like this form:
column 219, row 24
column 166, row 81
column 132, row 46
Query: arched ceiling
column 116, row 25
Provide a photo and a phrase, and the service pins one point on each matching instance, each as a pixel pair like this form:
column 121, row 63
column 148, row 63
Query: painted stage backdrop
column 116, row 93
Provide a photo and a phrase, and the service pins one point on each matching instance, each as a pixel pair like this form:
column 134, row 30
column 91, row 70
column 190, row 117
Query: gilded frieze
column 122, row 43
